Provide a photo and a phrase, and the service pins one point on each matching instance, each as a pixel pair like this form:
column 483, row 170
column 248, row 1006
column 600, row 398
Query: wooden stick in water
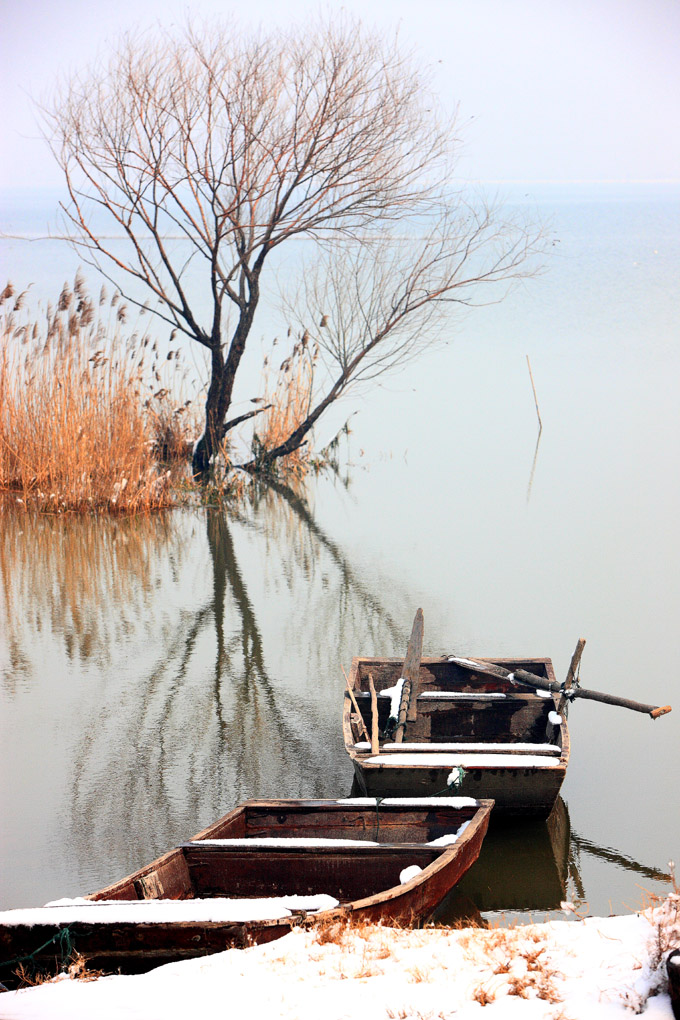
column 375, row 737
column 356, row 707
column 538, row 413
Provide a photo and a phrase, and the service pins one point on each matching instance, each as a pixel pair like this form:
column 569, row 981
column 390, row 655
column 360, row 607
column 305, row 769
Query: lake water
column 154, row 673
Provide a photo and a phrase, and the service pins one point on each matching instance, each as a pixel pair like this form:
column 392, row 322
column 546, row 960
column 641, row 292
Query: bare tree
column 205, row 151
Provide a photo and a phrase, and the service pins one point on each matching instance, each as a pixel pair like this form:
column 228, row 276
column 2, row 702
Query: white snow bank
column 596, row 969
column 150, row 911
column 468, row 761
column 555, row 718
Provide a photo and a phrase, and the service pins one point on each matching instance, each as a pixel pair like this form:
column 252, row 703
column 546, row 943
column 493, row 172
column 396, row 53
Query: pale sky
column 548, row 89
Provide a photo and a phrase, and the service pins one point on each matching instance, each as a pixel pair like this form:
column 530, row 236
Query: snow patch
column 461, row 695
column 284, row 841
column 219, row 909
column 394, row 694
column 601, row 964
column 408, row 873
column 450, row 838
column 414, row 802
column 468, row 662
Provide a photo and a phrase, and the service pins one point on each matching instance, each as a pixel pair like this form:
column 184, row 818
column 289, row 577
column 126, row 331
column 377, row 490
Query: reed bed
column 84, row 413
column 290, row 400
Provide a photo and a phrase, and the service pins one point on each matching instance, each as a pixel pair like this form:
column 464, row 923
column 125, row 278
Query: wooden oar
column 521, row 676
column 356, row 707
column 411, row 674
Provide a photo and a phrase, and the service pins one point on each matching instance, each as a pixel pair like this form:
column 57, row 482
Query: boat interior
column 347, row 852
column 456, row 706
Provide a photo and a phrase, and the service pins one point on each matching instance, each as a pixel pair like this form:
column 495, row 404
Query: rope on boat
column 66, row 949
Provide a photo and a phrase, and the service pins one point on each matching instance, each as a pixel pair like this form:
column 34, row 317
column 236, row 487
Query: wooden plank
column 467, row 748
column 411, row 669
column 451, row 696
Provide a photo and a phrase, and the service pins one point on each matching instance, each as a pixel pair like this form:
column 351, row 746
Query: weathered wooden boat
column 262, row 869
column 468, row 732
column 492, row 728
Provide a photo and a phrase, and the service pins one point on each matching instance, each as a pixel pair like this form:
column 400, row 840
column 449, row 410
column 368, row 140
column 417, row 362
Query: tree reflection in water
column 194, row 661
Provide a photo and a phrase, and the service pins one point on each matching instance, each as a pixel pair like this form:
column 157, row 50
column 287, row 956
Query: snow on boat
column 470, row 733
column 262, row 869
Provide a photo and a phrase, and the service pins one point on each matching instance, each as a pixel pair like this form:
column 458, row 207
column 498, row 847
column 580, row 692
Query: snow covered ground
column 601, row 968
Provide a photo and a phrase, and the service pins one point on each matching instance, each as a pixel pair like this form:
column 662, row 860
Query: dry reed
column 84, row 412
column 290, row 401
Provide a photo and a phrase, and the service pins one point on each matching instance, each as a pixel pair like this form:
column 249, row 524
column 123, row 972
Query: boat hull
column 517, row 792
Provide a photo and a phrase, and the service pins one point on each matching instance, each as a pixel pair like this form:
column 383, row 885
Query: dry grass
column 519, row 966
column 339, row 930
column 290, row 398
column 663, row 913
column 77, row 970
column 84, row 411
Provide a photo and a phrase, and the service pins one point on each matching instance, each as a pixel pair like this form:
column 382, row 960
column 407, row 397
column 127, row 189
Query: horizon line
column 466, row 180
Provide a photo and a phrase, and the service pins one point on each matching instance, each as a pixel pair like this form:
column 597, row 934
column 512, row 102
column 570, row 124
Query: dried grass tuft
column 518, row 967
column 663, row 913
column 77, row 970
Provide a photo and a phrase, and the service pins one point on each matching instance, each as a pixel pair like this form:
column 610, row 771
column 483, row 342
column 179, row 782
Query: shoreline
column 557, row 970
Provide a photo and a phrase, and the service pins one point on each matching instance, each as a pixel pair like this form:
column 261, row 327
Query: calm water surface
column 154, row 673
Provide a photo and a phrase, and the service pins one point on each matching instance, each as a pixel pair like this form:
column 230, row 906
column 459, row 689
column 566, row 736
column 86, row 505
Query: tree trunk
column 222, row 378
column 208, row 445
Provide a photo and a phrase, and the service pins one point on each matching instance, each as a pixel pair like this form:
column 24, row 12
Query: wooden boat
column 474, row 734
column 262, row 869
